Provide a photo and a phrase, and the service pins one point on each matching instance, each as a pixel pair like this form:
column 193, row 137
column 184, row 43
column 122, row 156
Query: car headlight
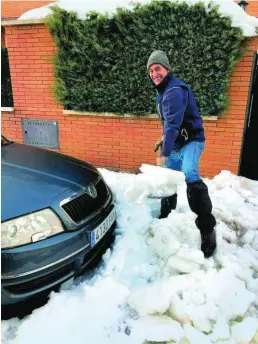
column 30, row 228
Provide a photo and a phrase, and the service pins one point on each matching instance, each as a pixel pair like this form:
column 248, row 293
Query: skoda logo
column 91, row 190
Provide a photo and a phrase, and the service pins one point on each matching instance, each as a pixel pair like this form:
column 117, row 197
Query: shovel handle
column 158, row 146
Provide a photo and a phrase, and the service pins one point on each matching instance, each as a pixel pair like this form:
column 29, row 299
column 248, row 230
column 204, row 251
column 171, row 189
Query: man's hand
column 158, row 144
column 162, row 161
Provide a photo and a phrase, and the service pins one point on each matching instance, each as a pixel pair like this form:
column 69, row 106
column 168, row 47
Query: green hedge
column 6, row 86
column 100, row 64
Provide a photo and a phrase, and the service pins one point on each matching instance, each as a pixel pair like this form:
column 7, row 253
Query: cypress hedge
column 100, row 64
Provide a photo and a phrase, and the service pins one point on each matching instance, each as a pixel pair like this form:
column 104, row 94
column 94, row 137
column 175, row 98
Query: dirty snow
column 226, row 8
column 155, row 285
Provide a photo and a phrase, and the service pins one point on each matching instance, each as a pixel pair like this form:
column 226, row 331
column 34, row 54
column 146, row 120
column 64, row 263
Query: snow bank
column 147, row 185
column 155, row 284
column 226, row 8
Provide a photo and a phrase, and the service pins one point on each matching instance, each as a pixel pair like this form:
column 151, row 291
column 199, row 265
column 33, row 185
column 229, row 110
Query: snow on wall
column 226, row 8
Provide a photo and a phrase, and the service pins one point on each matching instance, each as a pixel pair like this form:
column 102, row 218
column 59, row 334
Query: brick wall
column 12, row 9
column 252, row 8
column 122, row 143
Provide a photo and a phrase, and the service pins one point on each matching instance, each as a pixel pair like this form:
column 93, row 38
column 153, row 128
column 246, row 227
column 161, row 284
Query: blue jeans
column 186, row 159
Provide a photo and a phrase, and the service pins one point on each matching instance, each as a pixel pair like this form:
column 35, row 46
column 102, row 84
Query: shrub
column 100, row 65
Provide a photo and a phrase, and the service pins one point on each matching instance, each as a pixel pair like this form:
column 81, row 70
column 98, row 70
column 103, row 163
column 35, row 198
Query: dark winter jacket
column 178, row 111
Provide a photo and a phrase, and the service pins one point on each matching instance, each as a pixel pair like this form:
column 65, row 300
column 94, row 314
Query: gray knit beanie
column 159, row 57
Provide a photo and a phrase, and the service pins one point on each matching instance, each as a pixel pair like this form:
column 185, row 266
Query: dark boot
column 208, row 245
column 167, row 204
column 206, row 224
column 200, row 204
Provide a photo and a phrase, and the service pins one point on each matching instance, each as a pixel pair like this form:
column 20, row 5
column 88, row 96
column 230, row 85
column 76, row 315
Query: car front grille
column 90, row 260
column 84, row 205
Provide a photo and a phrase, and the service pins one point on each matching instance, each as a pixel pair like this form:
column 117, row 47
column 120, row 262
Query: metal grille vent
column 83, row 206
column 40, row 133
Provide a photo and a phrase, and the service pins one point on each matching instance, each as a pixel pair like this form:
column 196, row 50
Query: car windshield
column 4, row 141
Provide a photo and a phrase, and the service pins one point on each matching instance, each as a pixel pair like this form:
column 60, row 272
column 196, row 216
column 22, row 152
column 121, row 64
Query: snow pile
column 146, row 184
column 155, row 285
column 226, row 8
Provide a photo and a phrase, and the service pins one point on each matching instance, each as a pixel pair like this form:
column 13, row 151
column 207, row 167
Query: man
column 182, row 144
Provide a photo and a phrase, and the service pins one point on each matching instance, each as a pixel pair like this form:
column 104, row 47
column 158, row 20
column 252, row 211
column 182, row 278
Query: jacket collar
column 160, row 87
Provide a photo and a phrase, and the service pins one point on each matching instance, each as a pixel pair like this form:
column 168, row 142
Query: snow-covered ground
column 225, row 7
column 155, row 285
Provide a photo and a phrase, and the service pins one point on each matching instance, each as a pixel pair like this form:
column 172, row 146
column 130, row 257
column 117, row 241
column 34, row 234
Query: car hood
column 32, row 177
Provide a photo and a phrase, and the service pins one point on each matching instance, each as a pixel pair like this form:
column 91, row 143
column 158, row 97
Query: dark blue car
column 57, row 216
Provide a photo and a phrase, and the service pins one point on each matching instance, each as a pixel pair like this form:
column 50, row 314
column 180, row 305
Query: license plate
column 102, row 229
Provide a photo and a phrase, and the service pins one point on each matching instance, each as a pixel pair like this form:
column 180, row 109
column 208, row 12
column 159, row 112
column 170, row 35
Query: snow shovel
column 158, row 149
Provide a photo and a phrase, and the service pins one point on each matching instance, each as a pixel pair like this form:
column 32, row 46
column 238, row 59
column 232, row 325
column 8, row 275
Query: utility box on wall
column 40, row 133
